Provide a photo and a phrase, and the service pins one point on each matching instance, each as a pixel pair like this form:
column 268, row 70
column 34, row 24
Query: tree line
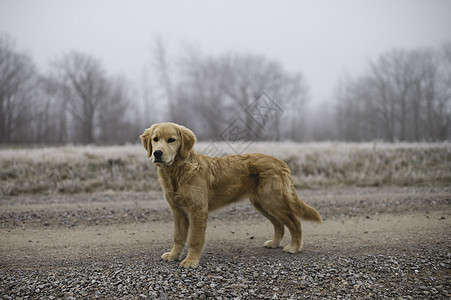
column 76, row 101
column 404, row 95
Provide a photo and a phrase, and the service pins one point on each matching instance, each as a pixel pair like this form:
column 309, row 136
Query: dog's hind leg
column 279, row 228
column 296, row 236
column 294, row 225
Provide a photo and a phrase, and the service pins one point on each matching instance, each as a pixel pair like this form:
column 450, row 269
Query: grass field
column 80, row 169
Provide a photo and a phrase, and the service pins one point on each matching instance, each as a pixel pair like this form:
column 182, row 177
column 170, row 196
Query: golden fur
column 195, row 184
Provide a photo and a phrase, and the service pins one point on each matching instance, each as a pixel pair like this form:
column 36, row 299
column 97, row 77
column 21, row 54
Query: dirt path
column 363, row 229
column 355, row 234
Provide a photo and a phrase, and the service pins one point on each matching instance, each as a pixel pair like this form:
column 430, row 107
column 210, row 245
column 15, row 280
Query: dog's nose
column 157, row 154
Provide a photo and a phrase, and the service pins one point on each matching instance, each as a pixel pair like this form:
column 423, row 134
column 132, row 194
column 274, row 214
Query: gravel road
column 375, row 243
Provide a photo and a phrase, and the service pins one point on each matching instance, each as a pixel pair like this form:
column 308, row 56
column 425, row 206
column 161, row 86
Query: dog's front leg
column 180, row 234
column 196, row 239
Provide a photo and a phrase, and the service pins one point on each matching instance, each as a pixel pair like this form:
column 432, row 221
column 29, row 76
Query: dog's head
column 167, row 142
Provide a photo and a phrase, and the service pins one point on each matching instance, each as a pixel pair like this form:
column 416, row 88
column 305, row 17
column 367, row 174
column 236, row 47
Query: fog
column 101, row 71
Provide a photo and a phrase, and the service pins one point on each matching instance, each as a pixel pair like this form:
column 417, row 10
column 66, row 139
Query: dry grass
column 78, row 169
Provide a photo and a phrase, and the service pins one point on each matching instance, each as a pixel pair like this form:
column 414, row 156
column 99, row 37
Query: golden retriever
column 195, row 184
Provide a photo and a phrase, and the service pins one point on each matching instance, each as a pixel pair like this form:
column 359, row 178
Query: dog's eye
column 171, row 140
column 155, row 139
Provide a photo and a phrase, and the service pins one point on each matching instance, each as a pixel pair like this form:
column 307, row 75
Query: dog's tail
column 305, row 211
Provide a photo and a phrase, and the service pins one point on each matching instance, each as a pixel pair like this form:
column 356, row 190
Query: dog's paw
column 291, row 249
column 169, row 256
column 189, row 263
column 271, row 244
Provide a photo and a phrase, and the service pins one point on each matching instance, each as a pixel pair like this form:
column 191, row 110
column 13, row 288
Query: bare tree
column 17, row 74
column 164, row 77
column 113, row 119
column 49, row 113
column 200, row 88
column 246, row 77
column 147, row 103
column 295, row 94
column 443, row 96
column 356, row 110
column 83, row 82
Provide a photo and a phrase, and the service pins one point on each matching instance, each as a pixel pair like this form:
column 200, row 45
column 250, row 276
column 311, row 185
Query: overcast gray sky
column 321, row 38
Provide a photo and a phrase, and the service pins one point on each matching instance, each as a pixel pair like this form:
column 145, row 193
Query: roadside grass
column 86, row 169
column 385, row 167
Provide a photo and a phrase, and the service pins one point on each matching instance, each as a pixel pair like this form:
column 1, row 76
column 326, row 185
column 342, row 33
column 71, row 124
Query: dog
column 195, row 184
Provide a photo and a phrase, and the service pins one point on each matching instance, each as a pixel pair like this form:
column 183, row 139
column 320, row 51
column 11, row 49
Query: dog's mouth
column 160, row 162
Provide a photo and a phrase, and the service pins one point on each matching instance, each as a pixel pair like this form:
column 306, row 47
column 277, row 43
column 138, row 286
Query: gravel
column 410, row 274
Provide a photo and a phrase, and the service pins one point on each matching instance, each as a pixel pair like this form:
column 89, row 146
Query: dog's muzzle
column 158, row 154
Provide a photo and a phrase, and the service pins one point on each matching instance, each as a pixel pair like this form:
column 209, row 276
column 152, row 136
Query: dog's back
column 262, row 178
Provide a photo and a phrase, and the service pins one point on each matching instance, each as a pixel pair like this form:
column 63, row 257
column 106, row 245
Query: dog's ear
column 187, row 143
column 146, row 139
